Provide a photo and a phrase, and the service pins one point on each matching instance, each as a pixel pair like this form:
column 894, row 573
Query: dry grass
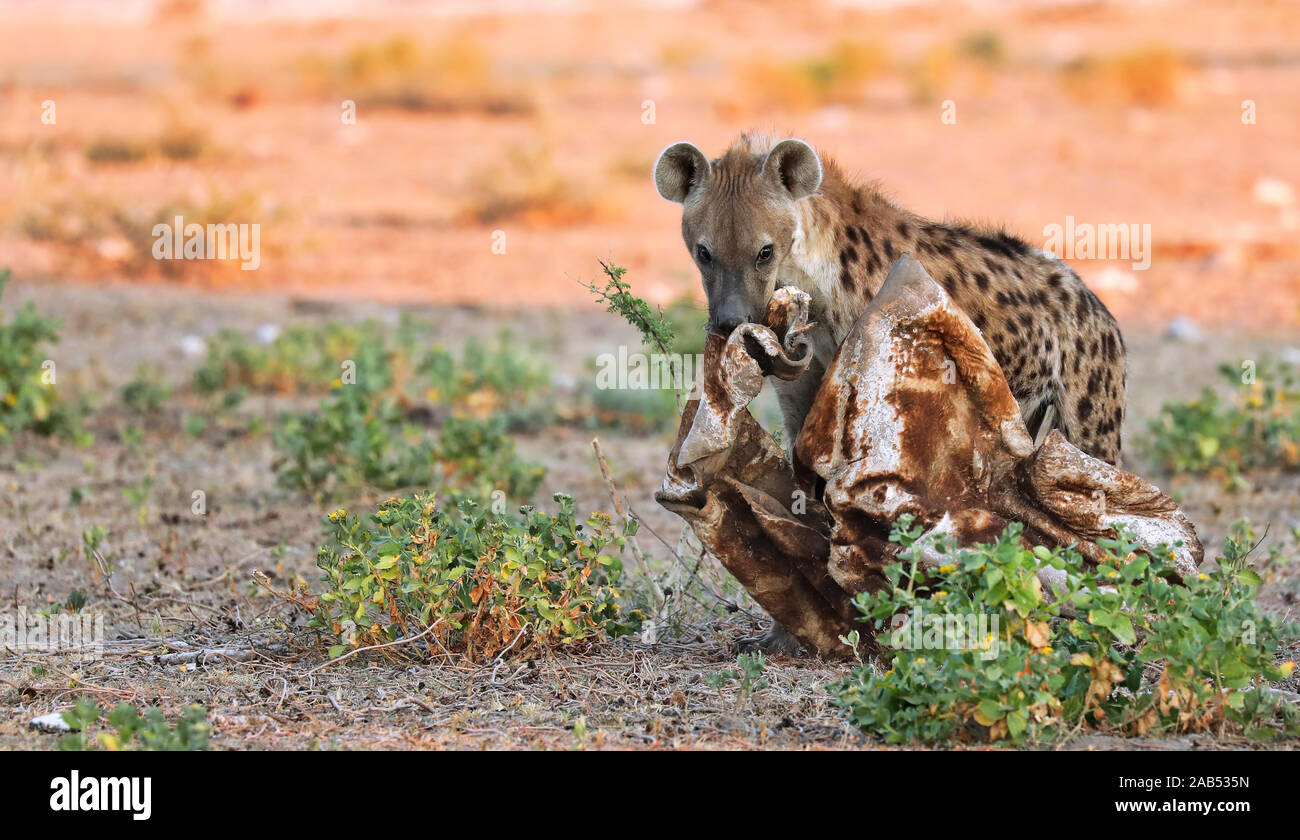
column 179, row 141
column 839, row 76
column 1149, row 76
column 456, row 76
column 524, row 185
column 105, row 234
column 283, row 696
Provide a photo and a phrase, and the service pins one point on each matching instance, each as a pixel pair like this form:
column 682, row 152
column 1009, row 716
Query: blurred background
column 543, row 119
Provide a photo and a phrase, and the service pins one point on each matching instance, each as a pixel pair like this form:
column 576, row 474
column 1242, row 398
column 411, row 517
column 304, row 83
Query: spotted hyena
column 768, row 215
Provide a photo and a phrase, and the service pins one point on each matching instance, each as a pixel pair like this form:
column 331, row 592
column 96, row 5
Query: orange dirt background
column 531, row 123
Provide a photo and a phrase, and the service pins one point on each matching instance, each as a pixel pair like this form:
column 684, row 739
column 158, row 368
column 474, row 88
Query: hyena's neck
column 846, row 239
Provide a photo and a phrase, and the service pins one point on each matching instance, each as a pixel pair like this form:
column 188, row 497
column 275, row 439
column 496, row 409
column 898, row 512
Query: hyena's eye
column 703, row 255
column 764, row 254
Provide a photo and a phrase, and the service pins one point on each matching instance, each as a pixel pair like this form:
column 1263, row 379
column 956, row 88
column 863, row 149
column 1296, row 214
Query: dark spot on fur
column 1004, row 244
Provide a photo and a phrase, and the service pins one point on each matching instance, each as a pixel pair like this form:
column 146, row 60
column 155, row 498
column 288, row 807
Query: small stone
column 53, row 722
column 192, row 345
column 1183, row 329
column 1272, row 192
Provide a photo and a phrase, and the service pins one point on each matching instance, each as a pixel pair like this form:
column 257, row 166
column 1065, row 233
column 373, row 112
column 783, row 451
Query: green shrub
column 477, row 457
column 482, row 381
column 486, row 380
column 131, row 731
column 1258, row 424
column 146, row 393
column 486, row 583
column 29, row 398
column 998, row 661
column 637, row 410
column 357, row 439
column 300, row 360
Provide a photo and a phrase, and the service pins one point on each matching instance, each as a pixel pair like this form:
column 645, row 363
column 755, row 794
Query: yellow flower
column 1202, row 576
column 1286, row 668
column 337, row 515
column 1045, row 649
column 947, row 567
column 940, row 593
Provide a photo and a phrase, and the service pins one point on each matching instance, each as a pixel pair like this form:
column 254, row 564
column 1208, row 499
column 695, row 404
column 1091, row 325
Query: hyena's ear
column 794, row 165
column 680, row 169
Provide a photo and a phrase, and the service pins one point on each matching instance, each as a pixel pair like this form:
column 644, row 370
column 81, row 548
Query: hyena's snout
column 727, row 316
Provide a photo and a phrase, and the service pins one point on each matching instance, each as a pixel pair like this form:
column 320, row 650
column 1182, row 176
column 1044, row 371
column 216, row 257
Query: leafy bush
column 356, row 438
column 131, row 731
column 146, row 393
column 483, row 380
column 633, row 410
column 998, row 661
column 300, row 360
column 1257, row 425
column 489, row 379
column 27, row 402
column 476, row 457
column 487, row 584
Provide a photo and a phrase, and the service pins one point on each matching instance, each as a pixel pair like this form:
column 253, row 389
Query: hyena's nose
column 727, row 319
column 727, row 326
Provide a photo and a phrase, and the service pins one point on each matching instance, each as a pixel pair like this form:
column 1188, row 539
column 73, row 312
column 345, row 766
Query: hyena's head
column 738, row 218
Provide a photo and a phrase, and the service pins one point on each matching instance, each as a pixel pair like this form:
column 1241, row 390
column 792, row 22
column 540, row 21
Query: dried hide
column 912, row 416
